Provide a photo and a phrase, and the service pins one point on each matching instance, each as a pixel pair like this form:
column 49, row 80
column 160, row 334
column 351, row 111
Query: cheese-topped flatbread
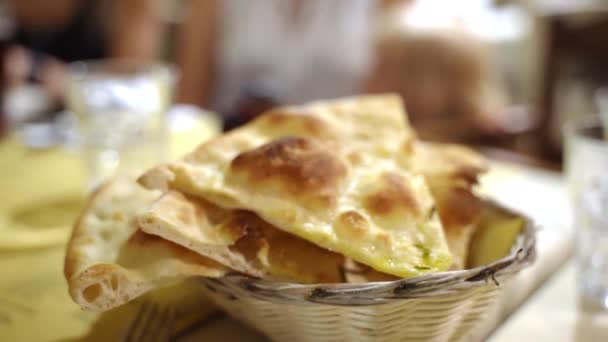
column 110, row 262
column 451, row 171
column 460, row 212
column 240, row 240
column 444, row 162
column 327, row 173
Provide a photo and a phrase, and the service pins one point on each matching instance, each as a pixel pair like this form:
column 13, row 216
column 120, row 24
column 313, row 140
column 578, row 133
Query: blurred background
column 501, row 76
column 497, row 74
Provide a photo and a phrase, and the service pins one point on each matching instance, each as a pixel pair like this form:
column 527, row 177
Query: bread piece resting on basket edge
column 109, row 261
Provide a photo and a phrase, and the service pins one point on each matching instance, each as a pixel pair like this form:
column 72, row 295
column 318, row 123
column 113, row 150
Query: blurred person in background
column 445, row 74
column 240, row 57
column 48, row 34
column 445, row 80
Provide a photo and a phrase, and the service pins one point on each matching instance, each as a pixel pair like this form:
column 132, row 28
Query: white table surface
column 552, row 315
column 540, row 194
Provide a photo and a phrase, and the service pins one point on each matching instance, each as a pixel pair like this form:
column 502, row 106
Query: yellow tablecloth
column 42, row 192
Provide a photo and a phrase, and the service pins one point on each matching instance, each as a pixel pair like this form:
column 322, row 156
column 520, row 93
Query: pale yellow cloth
column 42, row 192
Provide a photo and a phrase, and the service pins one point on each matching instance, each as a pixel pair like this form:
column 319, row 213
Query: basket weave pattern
column 445, row 306
column 444, row 318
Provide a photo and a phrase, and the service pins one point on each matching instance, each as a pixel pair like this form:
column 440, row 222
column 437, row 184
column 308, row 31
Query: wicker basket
column 446, row 306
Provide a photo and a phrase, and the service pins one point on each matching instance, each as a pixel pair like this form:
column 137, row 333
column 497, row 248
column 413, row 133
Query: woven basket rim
column 523, row 253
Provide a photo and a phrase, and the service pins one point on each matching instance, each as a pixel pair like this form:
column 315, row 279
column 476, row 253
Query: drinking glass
column 587, row 172
column 120, row 106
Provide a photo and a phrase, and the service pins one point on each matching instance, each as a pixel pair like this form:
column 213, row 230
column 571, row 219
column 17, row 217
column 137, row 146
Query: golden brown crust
column 139, row 240
column 305, row 123
column 451, row 171
column 353, row 218
column 199, row 226
column 458, row 208
column 394, row 193
column 301, row 161
column 447, row 162
column 460, row 211
column 252, row 243
column 354, row 223
column 301, row 164
column 240, row 240
column 303, row 261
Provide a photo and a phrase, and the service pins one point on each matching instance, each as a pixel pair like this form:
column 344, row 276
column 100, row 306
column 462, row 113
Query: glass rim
column 85, row 69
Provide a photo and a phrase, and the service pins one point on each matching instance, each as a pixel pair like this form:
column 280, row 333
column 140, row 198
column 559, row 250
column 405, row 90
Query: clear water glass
column 587, row 171
column 121, row 107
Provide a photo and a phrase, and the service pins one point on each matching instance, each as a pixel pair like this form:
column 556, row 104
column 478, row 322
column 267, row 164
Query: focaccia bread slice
column 451, row 171
column 240, row 240
column 440, row 162
column 460, row 211
column 327, row 173
column 110, row 262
